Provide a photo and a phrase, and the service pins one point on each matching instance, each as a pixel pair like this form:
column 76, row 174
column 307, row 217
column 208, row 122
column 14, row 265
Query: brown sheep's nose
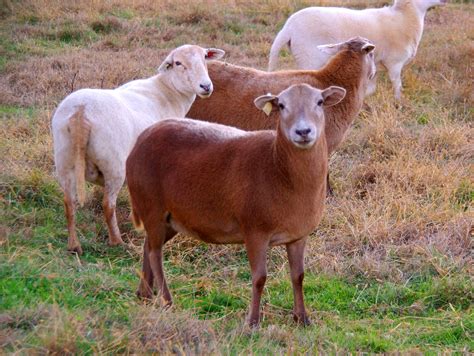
column 206, row 87
column 303, row 133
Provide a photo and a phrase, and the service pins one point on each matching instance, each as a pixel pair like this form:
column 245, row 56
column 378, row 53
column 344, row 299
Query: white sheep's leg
column 111, row 191
column 371, row 86
column 394, row 72
column 66, row 180
column 73, row 243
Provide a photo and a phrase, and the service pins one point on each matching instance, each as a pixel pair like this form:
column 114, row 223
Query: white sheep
column 94, row 130
column 396, row 32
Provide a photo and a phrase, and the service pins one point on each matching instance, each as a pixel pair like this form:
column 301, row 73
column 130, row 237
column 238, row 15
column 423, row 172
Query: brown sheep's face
column 301, row 109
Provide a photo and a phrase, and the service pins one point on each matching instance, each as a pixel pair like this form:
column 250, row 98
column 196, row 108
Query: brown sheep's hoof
column 76, row 249
column 167, row 305
column 302, row 320
column 145, row 296
column 253, row 323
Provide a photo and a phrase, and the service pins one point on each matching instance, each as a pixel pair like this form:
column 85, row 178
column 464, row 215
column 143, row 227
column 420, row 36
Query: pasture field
column 389, row 269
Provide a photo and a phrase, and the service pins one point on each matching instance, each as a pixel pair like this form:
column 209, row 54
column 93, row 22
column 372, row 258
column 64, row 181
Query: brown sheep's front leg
column 295, row 253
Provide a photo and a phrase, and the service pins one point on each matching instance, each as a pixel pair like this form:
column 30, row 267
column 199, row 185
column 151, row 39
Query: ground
column 389, row 269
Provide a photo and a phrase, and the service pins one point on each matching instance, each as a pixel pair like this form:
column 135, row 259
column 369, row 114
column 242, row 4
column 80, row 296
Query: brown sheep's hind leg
column 257, row 253
column 145, row 289
column 157, row 236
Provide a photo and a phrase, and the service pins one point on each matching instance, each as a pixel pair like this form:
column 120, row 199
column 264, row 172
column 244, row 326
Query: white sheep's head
column 186, row 68
column 301, row 109
column 421, row 5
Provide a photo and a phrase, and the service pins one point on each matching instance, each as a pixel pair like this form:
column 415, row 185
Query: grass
column 389, row 268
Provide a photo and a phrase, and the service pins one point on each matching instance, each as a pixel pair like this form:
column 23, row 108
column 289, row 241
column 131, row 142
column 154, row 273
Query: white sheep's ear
column 330, row 48
column 368, row 47
column 167, row 64
column 214, row 53
column 266, row 103
column 333, row 95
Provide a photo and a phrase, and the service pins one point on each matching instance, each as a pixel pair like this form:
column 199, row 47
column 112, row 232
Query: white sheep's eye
column 320, row 102
column 281, row 106
column 178, row 63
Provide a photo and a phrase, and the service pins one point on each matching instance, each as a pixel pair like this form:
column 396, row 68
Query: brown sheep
column 227, row 186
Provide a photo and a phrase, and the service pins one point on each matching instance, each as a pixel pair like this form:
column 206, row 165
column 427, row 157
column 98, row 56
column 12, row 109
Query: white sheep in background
column 94, row 130
column 396, row 32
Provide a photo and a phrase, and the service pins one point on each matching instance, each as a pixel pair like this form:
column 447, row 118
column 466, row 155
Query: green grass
column 427, row 313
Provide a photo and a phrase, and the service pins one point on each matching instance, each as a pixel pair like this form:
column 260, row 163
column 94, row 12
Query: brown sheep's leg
column 73, row 243
column 145, row 289
column 257, row 254
column 295, row 252
column 156, row 236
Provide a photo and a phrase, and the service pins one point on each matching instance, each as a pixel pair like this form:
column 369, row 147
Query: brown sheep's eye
column 320, row 102
column 281, row 106
column 177, row 63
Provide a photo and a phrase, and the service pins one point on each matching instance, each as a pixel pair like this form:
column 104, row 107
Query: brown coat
column 236, row 87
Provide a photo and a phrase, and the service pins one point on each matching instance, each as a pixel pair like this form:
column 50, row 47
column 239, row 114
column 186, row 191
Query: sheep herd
column 249, row 164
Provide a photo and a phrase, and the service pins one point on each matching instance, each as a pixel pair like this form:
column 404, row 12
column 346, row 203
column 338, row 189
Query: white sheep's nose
column 206, row 87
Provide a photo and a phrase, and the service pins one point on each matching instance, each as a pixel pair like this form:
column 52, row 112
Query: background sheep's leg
column 145, row 289
column 329, row 191
column 73, row 243
column 111, row 190
column 156, row 236
column 371, row 86
column 257, row 254
column 295, row 252
column 394, row 73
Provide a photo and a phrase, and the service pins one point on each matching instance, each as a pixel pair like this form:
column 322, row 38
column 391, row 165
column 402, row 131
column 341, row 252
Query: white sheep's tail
column 281, row 39
column 80, row 132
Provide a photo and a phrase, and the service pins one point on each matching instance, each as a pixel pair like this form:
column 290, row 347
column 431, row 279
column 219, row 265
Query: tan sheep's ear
column 333, row 95
column 368, row 47
column 214, row 53
column 266, row 103
column 167, row 64
column 331, row 48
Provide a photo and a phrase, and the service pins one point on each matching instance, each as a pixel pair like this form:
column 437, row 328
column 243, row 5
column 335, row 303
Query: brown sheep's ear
column 368, row 47
column 267, row 103
column 214, row 53
column 333, row 95
column 167, row 64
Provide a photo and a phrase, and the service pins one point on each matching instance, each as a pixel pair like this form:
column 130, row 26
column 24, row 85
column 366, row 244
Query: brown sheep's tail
column 80, row 132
